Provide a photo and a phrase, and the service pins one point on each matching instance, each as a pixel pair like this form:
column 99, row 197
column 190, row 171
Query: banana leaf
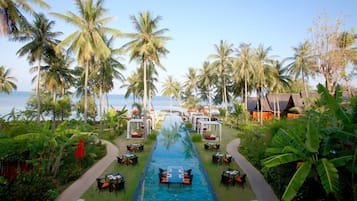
column 328, row 175
column 280, row 159
column 296, row 181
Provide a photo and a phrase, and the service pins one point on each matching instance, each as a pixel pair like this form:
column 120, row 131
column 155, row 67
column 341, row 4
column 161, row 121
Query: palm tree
column 244, row 67
column 345, row 41
column 11, row 18
column 41, row 45
column 262, row 65
column 106, row 71
column 303, row 63
column 147, row 46
column 190, row 83
column 87, row 42
column 171, row 88
column 7, row 82
column 57, row 77
column 279, row 81
column 222, row 62
column 131, row 84
column 206, row 79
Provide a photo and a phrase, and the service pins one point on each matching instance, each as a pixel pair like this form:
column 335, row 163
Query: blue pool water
column 174, row 148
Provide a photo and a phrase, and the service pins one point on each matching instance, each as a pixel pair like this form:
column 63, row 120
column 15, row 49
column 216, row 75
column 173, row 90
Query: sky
column 195, row 26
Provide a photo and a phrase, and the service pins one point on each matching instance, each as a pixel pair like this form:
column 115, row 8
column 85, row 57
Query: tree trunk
column 225, row 99
column 38, row 91
column 144, row 100
column 53, row 125
column 85, row 114
column 57, row 163
column 101, row 107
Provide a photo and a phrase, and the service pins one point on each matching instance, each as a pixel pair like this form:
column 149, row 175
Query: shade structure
column 136, row 126
column 213, row 126
column 80, row 152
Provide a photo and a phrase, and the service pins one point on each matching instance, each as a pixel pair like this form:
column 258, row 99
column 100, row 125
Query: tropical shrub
column 315, row 145
column 196, row 137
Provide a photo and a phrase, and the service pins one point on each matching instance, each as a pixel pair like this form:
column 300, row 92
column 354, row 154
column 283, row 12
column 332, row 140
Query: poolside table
column 211, row 146
column 116, row 181
column 130, row 158
column 175, row 174
column 135, row 147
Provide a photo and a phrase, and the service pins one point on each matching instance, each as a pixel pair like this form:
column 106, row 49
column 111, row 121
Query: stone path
column 261, row 188
column 81, row 185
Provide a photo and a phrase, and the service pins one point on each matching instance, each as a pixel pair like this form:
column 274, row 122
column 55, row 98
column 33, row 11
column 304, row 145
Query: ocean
column 18, row 100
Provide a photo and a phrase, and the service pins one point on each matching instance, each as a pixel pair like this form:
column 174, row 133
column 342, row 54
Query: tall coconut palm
column 171, row 88
column 42, row 42
column 279, row 81
column 147, row 46
column 11, row 17
column 57, row 78
column 190, row 83
column 346, row 42
column 7, row 82
column 131, row 84
column 87, row 42
column 206, row 79
column 262, row 65
column 222, row 62
column 106, row 71
column 303, row 63
column 244, row 67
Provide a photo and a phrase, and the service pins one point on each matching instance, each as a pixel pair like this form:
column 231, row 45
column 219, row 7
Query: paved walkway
column 260, row 187
column 81, row 185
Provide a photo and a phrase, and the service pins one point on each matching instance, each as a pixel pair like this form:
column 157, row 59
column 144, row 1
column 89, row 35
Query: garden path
column 261, row 188
column 81, row 185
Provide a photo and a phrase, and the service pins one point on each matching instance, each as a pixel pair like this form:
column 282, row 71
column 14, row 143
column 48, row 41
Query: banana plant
column 313, row 144
column 48, row 146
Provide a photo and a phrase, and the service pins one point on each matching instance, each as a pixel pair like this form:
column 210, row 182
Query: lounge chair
column 226, row 180
column 102, row 184
column 240, row 180
column 121, row 160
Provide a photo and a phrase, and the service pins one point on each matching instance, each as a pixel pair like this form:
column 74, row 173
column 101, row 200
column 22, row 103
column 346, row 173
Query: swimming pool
column 174, row 148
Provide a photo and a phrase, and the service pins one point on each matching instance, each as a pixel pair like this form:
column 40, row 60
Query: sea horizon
column 18, row 99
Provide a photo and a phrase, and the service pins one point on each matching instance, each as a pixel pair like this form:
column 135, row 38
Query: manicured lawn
column 214, row 171
column 133, row 174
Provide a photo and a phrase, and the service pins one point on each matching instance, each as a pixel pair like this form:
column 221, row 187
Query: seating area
column 175, row 175
column 212, row 146
column 128, row 159
column 112, row 181
column 135, row 147
column 232, row 177
column 221, row 158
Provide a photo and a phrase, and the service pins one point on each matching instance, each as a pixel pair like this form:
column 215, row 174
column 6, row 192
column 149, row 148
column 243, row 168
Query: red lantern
column 80, row 152
column 135, row 111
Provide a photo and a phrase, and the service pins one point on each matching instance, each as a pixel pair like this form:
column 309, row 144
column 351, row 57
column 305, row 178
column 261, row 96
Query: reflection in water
column 174, row 148
column 170, row 135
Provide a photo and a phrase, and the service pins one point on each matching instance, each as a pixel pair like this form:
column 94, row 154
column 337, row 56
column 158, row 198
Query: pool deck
column 260, row 187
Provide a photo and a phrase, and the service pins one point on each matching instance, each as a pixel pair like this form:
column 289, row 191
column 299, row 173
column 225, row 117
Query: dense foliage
column 44, row 158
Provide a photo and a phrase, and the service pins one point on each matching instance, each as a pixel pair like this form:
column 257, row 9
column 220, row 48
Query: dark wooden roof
column 254, row 104
column 281, row 99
